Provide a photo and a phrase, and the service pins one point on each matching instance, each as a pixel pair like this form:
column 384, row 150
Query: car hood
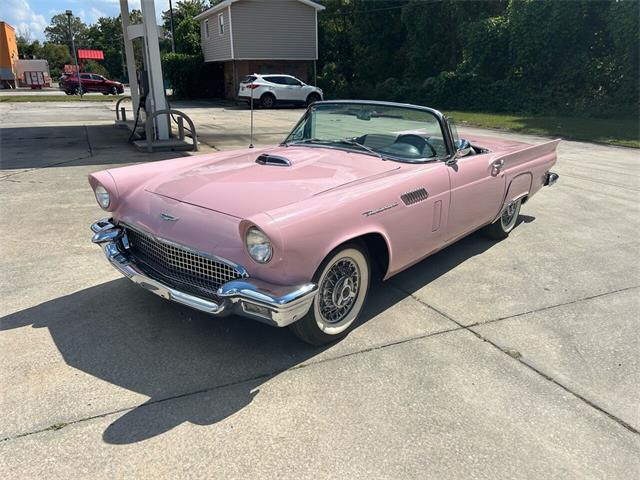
column 239, row 186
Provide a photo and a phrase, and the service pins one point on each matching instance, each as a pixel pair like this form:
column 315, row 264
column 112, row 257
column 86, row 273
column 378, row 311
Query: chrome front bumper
column 272, row 304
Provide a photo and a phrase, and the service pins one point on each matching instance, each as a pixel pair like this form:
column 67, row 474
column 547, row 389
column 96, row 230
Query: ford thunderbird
column 289, row 235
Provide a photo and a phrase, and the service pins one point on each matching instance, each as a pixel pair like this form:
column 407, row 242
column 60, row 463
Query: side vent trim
column 414, row 196
column 273, row 160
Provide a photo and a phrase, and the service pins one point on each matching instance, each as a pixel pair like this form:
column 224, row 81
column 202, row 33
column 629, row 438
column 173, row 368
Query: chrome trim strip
column 273, row 304
column 241, row 270
column 379, row 210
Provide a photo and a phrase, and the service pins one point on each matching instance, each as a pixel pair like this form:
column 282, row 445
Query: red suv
column 90, row 82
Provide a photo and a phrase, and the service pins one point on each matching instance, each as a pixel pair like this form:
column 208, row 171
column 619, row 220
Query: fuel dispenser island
column 150, row 106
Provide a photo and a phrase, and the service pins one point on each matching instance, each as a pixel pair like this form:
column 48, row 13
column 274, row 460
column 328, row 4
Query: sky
column 35, row 15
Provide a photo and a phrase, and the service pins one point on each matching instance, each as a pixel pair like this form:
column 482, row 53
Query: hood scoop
column 273, row 160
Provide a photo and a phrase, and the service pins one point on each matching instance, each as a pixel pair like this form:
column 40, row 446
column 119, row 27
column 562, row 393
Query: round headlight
column 258, row 245
column 102, row 196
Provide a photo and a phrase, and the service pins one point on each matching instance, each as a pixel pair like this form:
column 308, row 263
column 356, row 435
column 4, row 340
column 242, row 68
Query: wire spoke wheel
column 509, row 216
column 339, row 290
column 343, row 282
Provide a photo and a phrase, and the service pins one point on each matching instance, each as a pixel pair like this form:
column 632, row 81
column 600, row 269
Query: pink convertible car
column 289, row 235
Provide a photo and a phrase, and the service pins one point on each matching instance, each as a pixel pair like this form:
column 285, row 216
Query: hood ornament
column 168, row 218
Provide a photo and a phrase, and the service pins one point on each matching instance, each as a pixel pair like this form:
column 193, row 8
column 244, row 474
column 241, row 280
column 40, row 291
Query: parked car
column 269, row 90
column 289, row 235
column 89, row 82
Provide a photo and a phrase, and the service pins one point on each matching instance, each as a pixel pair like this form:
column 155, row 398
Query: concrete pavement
column 512, row 359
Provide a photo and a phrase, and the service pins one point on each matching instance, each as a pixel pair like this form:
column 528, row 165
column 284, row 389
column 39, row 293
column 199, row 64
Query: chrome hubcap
column 508, row 215
column 339, row 290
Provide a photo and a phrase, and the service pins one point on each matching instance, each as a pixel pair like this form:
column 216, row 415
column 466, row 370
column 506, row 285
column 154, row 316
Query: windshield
column 388, row 131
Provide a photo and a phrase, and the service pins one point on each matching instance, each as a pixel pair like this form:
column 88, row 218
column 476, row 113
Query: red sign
column 70, row 69
column 90, row 54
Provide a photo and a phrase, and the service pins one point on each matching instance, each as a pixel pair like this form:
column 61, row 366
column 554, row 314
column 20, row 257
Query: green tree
column 57, row 56
column 106, row 35
column 58, row 31
column 186, row 28
column 96, row 67
column 28, row 48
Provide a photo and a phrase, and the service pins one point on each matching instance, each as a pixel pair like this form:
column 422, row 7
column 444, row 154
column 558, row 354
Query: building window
column 221, row 23
column 206, row 28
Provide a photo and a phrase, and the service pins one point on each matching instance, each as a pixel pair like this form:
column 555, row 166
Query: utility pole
column 69, row 15
column 173, row 37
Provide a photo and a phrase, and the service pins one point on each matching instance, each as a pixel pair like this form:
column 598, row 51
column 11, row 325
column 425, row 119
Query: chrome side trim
column 380, row 210
column 272, row 304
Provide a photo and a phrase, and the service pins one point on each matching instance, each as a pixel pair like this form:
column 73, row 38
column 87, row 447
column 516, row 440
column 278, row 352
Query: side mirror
column 463, row 148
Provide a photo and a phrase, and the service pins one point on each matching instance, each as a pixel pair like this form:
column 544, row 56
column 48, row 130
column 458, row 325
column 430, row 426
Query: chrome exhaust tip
column 551, row 178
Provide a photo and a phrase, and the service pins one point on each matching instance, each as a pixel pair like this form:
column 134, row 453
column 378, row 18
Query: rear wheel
column 79, row 91
column 502, row 226
column 267, row 100
column 343, row 282
column 113, row 91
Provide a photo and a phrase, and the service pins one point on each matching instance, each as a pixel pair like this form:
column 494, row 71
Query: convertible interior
column 410, row 145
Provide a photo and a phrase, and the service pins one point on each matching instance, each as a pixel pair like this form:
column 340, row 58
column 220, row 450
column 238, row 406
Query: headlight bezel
column 255, row 238
column 101, row 193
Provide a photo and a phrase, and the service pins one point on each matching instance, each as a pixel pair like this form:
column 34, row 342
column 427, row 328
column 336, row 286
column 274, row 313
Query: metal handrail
column 148, row 127
column 127, row 97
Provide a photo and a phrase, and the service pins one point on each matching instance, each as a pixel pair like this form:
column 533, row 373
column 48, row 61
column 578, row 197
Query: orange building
column 8, row 56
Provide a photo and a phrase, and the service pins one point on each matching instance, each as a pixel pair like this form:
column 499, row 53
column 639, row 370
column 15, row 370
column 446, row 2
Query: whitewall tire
column 505, row 223
column 343, row 282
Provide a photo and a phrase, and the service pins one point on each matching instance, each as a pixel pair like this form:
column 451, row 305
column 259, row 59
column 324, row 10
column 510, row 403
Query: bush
column 190, row 77
column 333, row 82
column 95, row 67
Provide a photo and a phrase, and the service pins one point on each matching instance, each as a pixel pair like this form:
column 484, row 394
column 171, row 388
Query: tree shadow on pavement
column 193, row 368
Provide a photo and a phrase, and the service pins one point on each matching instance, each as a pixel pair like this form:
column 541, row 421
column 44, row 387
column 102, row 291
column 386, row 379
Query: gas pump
column 151, row 96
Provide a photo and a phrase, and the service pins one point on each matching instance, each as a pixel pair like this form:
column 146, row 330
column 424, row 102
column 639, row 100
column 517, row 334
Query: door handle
column 496, row 167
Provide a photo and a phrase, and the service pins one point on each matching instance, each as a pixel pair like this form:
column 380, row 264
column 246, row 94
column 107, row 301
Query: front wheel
column 501, row 228
column 343, row 282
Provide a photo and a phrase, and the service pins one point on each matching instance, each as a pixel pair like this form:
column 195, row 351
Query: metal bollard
column 180, row 128
column 123, row 113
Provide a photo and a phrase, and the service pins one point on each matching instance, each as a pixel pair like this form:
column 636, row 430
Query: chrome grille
column 180, row 265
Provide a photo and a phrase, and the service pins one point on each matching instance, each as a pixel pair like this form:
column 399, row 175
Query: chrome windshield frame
column 440, row 117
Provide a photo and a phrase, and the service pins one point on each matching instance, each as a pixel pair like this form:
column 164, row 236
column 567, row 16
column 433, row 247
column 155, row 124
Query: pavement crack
column 517, row 356
column 549, row 378
column 57, row 164
column 458, row 327
column 86, row 133
column 60, row 425
column 550, row 307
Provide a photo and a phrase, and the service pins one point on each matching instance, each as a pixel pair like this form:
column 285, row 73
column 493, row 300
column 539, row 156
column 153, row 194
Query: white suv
column 267, row 90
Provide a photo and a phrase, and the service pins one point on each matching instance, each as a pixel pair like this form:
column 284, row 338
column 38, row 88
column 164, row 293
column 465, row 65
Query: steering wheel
column 417, row 141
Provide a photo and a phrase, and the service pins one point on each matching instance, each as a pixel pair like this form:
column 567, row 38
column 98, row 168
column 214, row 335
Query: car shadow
column 192, row 368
